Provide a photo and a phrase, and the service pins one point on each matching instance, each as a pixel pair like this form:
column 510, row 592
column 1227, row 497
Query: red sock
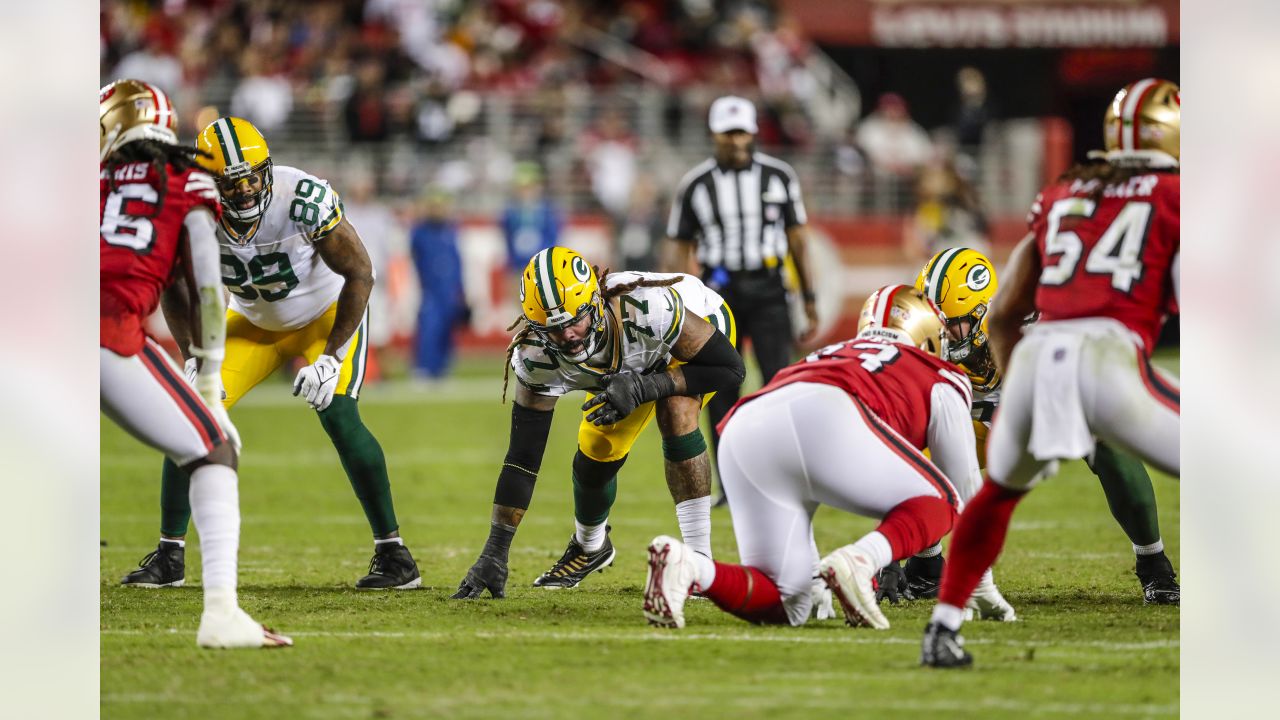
column 747, row 593
column 915, row 524
column 977, row 541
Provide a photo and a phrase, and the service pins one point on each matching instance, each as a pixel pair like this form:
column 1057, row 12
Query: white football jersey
column 276, row 278
column 649, row 322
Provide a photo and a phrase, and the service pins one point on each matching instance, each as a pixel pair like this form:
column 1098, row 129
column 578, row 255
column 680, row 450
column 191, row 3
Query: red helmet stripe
column 1129, row 116
column 884, row 304
column 164, row 109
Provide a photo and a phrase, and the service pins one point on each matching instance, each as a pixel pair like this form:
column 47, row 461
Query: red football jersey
column 893, row 380
column 139, row 243
column 1110, row 257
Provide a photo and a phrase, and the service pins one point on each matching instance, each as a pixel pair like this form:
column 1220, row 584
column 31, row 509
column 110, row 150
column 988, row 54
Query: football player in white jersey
column 962, row 283
column 299, row 279
column 640, row 344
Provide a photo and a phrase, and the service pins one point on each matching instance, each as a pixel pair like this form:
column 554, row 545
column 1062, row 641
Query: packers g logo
column 580, row 269
column 978, row 278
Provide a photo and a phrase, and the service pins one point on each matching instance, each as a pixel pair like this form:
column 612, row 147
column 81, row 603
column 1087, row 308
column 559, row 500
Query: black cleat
column 924, row 575
column 943, row 648
column 1159, row 583
column 163, row 567
column 576, row 564
column 392, row 568
column 488, row 573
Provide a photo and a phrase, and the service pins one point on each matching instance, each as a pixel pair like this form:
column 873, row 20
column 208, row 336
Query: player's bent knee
column 223, row 454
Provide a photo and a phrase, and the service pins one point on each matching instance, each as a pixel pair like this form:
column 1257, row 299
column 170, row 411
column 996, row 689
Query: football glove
column 821, row 594
column 623, row 392
column 891, row 584
column 488, row 573
column 318, row 381
column 192, row 368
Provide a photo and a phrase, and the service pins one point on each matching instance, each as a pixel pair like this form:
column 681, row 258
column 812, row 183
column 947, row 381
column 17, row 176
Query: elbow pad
column 716, row 367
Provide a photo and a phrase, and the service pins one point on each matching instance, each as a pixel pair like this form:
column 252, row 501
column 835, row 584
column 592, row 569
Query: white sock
column 875, row 546
column 1154, row 548
column 215, row 508
column 933, row 550
column 179, row 543
column 694, row 517
column 394, row 540
column 591, row 537
column 950, row 616
column 704, row 570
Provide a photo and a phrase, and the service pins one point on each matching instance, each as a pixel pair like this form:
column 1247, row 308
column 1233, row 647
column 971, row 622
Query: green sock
column 175, row 504
column 1129, row 493
column 595, row 487
column 362, row 458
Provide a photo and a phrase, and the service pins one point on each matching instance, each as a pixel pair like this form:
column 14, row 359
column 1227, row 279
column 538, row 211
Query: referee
column 734, row 219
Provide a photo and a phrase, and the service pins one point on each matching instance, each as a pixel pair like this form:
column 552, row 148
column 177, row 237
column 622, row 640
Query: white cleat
column 848, row 573
column 988, row 604
column 235, row 629
column 671, row 575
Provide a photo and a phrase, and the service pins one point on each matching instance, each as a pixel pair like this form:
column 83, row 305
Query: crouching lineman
column 962, row 282
column 158, row 212
column 640, row 344
column 1100, row 265
column 300, row 280
column 844, row 427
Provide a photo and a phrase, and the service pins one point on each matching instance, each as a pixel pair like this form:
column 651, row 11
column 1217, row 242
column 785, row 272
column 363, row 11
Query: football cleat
column 391, row 568
column 1159, row 583
column 667, row 586
column 576, row 564
column 849, row 574
column 226, row 630
column 988, row 604
column 924, row 575
column 488, row 573
column 163, row 567
column 943, row 648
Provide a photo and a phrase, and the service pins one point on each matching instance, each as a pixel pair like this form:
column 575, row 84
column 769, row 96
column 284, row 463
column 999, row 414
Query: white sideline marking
column 660, row 636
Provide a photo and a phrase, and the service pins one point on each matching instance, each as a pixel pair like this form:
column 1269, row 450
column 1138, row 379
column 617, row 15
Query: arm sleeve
column 206, row 272
column 951, row 441
column 716, row 367
column 529, row 431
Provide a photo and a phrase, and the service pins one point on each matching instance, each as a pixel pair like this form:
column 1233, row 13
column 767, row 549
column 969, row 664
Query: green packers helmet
column 558, row 289
column 238, row 154
column 900, row 313
column 961, row 282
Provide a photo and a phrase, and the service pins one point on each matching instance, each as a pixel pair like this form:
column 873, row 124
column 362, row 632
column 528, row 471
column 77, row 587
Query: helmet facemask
column 962, row 348
column 592, row 342
column 233, row 202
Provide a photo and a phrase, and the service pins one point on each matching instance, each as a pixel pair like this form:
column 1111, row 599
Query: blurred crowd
column 527, row 112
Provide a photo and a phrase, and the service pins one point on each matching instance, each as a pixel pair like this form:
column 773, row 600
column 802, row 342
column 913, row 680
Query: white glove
column 191, row 369
column 822, row 607
column 988, row 603
column 318, row 381
column 209, row 386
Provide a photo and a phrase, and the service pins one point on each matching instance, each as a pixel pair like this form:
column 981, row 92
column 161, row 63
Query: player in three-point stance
column 1101, row 266
column 846, row 428
column 158, row 213
column 300, row 280
column 641, row 345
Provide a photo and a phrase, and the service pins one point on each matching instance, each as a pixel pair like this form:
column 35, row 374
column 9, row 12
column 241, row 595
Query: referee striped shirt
column 738, row 218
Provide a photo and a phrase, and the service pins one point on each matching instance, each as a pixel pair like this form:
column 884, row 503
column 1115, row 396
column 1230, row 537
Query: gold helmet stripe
column 933, row 287
column 1129, row 114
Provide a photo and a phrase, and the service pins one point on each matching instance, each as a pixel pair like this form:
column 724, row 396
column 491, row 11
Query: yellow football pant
column 253, row 353
column 606, row 443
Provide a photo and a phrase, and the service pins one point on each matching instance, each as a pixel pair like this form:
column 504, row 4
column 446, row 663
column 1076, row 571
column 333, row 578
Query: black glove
column 923, row 577
column 488, row 573
column 623, row 392
column 890, row 584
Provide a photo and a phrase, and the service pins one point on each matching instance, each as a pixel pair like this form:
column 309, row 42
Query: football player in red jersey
column 1100, row 265
column 158, row 211
column 845, row 427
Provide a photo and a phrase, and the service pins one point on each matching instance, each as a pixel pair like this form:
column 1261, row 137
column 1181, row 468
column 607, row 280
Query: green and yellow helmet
column 238, row 152
column 558, row 289
column 961, row 282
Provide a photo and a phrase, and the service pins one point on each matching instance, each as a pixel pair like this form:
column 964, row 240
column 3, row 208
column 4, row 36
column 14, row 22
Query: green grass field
column 1085, row 645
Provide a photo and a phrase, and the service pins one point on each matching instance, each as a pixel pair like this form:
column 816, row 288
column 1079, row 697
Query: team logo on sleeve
column 580, row 269
column 978, row 278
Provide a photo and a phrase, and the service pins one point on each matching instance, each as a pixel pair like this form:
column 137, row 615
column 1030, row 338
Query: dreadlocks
column 606, row 294
column 159, row 155
column 1098, row 175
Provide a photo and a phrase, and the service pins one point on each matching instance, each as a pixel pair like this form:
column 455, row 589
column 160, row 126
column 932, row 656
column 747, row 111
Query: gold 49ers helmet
column 130, row 110
column 238, row 157
column 961, row 282
column 559, row 289
column 1143, row 124
column 901, row 313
